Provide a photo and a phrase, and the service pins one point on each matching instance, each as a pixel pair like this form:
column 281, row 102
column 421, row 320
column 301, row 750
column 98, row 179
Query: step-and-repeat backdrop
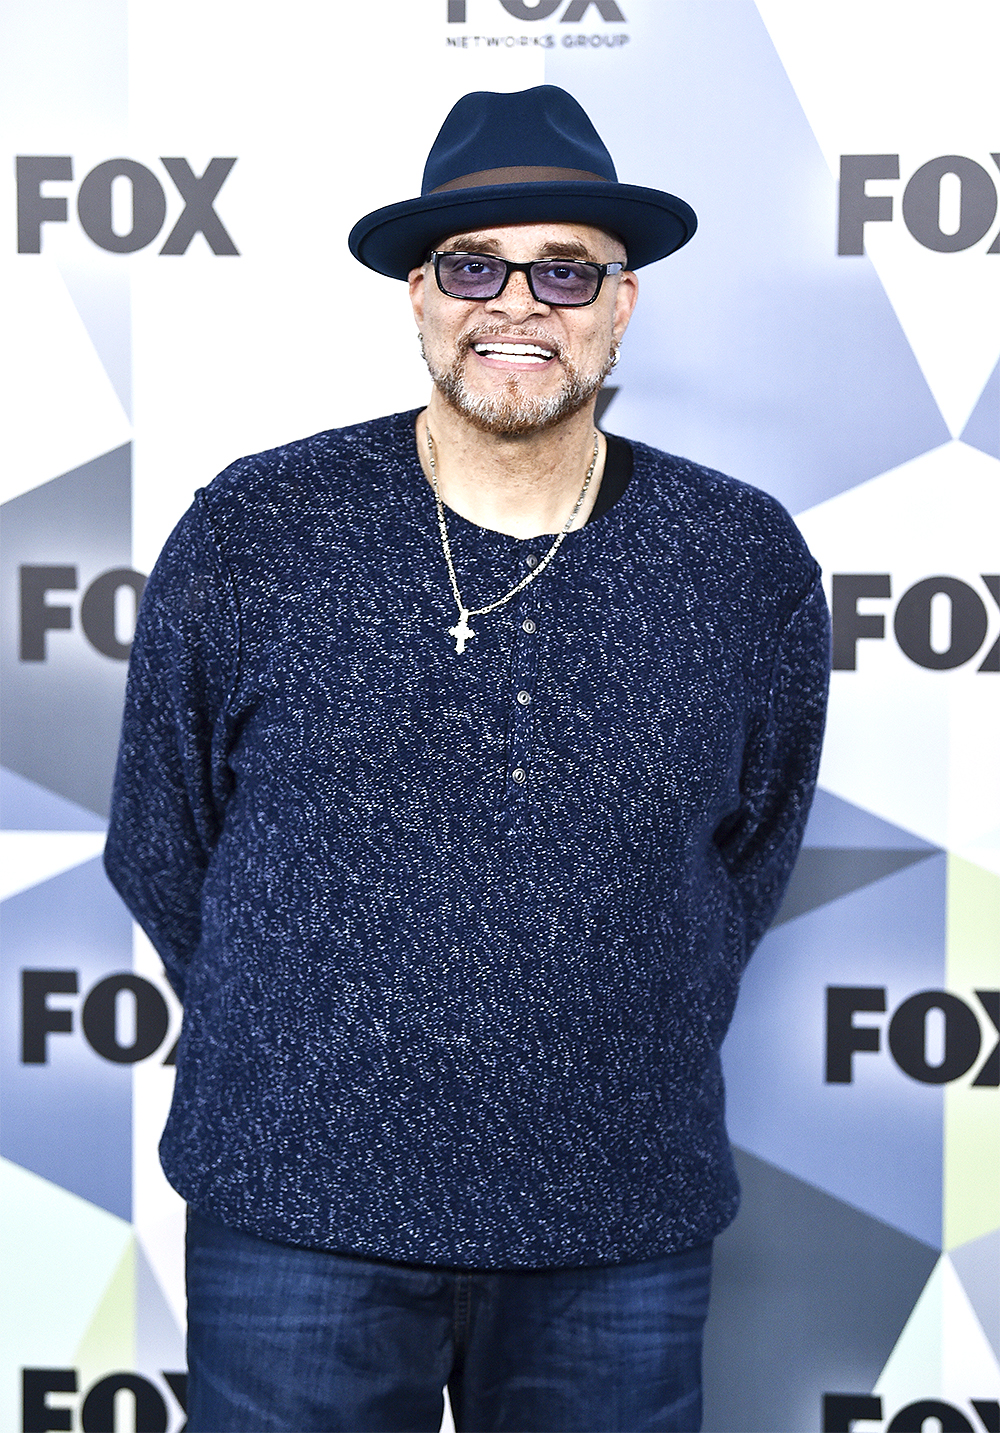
column 177, row 291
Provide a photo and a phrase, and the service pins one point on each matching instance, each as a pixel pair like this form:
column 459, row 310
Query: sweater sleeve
column 760, row 845
column 172, row 782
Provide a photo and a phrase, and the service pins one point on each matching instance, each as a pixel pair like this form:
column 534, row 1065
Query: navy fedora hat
column 529, row 157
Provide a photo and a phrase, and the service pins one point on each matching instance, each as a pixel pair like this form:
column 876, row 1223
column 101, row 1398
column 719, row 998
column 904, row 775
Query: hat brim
column 650, row 223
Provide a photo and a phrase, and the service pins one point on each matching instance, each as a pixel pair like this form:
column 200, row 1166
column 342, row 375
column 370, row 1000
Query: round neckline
column 418, row 495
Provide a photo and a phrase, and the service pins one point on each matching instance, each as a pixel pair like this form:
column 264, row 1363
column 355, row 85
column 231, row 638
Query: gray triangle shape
column 824, row 874
column 803, row 1273
column 983, row 429
column 60, row 715
column 604, row 401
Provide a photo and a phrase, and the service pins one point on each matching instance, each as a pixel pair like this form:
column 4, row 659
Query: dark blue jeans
column 306, row 1342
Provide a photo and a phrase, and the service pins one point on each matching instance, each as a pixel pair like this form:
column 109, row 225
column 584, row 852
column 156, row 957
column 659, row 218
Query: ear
column 625, row 300
column 415, row 281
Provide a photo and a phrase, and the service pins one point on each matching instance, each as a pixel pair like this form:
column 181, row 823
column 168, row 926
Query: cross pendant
column 461, row 631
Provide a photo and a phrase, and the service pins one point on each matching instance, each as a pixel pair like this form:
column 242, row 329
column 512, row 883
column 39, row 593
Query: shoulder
column 698, row 494
column 335, row 462
column 730, row 526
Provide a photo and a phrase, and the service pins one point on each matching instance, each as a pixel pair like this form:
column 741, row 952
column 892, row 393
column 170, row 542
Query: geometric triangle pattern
column 824, row 875
column 111, row 1314
column 604, row 401
column 53, row 1240
column 30, row 857
column 983, row 428
column 159, row 1341
column 79, row 1232
column 977, row 1265
column 803, row 1272
column 911, row 730
column 66, row 1113
column 109, row 1339
column 132, row 1329
column 26, row 806
column 933, row 254
column 943, row 1351
column 65, row 552
column 158, row 1212
column 810, row 1039
column 60, row 408
column 836, row 823
column 844, row 849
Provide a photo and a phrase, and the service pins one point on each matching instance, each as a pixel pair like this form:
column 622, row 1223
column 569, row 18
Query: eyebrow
column 482, row 244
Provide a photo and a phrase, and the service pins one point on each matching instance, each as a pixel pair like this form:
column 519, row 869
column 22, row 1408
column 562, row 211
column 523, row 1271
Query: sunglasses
column 565, row 283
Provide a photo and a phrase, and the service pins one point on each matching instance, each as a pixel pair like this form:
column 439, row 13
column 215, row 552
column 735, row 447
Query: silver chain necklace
column 462, row 631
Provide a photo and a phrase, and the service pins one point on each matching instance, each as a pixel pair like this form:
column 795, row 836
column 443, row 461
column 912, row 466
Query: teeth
column 515, row 350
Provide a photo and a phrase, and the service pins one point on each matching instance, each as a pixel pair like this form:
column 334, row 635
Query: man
column 466, row 756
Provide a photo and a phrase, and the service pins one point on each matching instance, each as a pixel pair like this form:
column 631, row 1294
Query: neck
column 526, row 485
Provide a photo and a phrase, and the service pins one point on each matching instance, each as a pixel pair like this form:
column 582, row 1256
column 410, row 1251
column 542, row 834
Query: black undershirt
column 617, row 472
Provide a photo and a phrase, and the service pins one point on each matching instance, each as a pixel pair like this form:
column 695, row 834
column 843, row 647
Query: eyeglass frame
column 436, row 255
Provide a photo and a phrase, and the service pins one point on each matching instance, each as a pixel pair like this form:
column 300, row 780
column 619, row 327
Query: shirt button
column 524, row 698
column 528, row 626
column 532, row 559
column 519, row 775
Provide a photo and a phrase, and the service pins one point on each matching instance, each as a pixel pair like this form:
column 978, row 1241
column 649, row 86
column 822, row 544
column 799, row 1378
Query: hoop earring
column 420, row 340
column 616, row 353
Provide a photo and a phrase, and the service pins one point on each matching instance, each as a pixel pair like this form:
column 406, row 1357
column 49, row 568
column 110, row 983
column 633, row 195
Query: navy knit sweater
column 459, row 937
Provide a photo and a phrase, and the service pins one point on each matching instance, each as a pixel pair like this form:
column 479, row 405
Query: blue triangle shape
column 26, row 806
column 983, row 429
column 834, row 822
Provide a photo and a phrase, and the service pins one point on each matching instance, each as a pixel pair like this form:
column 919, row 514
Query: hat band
column 520, row 174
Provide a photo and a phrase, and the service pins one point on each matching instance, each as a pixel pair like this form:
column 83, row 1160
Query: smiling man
column 505, row 328
column 466, row 756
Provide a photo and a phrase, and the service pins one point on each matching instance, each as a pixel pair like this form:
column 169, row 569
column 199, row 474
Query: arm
column 172, row 782
column 780, row 764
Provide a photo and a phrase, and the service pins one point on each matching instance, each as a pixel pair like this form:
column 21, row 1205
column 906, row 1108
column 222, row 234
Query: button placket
column 523, row 678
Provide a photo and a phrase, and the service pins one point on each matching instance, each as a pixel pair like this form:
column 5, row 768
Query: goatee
column 511, row 411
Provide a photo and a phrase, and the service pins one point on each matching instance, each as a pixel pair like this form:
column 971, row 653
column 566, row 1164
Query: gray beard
column 512, row 412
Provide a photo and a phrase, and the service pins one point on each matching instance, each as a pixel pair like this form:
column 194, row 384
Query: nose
column 516, row 300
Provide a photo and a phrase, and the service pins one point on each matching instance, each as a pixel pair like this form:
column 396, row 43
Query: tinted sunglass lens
column 565, row 283
column 470, row 276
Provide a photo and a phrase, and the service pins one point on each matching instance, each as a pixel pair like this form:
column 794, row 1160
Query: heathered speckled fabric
column 433, row 1014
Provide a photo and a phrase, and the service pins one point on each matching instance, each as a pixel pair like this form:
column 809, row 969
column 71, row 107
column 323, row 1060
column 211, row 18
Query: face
column 513, row 364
